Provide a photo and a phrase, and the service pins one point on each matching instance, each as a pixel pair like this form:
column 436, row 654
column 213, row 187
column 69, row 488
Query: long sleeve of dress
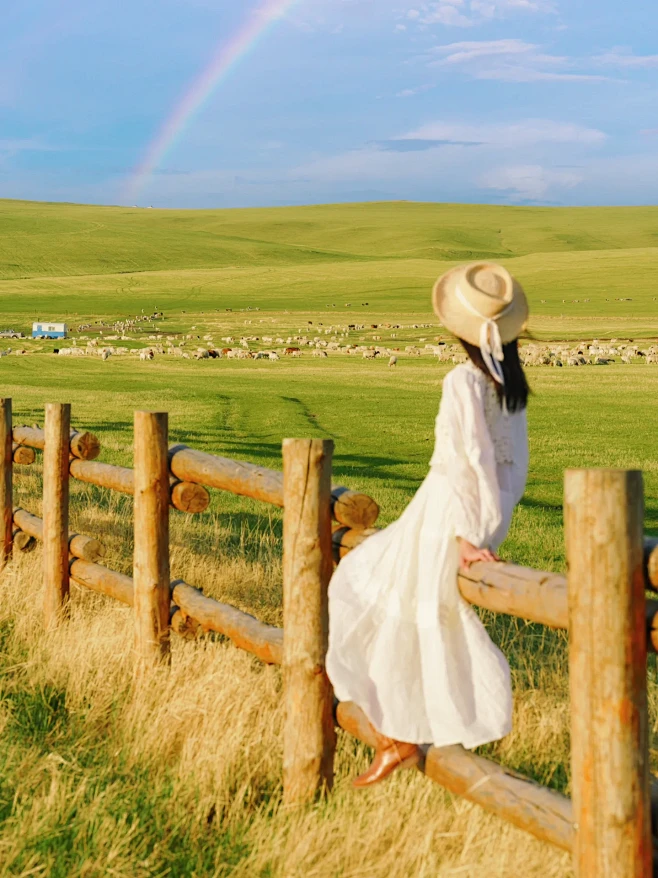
column 470, row 460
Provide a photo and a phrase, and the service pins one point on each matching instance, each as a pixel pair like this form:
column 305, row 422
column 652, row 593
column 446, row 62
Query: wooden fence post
column 57, row 429
column 6, row 485
column 151, row 560
column 309, row 737
column 607, row 671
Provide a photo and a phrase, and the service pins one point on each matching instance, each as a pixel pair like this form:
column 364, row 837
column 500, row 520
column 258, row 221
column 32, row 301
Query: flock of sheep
column 320, row 341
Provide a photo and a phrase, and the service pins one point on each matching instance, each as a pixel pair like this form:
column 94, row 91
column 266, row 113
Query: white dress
column 403, row 644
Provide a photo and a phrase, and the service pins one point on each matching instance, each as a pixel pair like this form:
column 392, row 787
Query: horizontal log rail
column 350, row 508
column 80, row 546
column 84, row 445
column 530, row 594
column 184, row 496
column 102, row 580
column 544, row 813
column 518, row 591
column 246, row 632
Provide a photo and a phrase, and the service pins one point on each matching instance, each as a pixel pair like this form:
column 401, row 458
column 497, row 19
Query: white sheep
column 393, row 361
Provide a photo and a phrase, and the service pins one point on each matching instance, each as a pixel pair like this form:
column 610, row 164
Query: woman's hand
column 468, row 554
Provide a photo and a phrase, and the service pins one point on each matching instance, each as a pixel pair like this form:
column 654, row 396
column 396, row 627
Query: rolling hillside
column 87, row 261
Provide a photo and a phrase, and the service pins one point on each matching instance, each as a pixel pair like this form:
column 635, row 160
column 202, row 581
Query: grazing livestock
column 393, row 361
column 290, row 351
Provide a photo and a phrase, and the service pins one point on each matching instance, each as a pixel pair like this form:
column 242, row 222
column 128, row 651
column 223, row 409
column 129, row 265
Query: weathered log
column 504, row 588
column 23, row 454
column 542, row 812
column 228, row 475
column 309, row 736
column 607, row 673
column 56, row 512
column 348, row 507
column 517, row 591
column 80, row 546
column 344, row 539
column 83, row 445
column 151, row 559
column 191, row 610
column 103, row 580
column 184, row 496
column 246, row 632
column 6, row 483
column 188, row 496
column 353, row 509
column 185, row 626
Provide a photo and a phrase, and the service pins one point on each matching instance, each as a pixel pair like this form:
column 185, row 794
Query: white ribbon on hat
column 490, row 341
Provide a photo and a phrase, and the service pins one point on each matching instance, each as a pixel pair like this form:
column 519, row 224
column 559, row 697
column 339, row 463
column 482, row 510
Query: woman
column 403, row 644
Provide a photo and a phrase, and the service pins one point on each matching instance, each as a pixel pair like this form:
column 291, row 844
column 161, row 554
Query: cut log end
column 23, row 542
column 189, row 497
column 23, row 455
column 344, row 539
column 86, row 548
column 353, row 509
column 184, row 625
column 85, row 446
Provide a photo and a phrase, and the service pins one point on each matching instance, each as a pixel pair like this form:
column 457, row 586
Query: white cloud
column 466, row 13
column 625, row 58
column 510, row 60
column 528, row 182
column 526, row 133
column 417, row 90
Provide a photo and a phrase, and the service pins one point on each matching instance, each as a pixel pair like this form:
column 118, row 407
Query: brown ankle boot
column 389, row 756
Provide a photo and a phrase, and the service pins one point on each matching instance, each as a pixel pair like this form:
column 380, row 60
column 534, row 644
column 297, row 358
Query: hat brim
column 464, row 325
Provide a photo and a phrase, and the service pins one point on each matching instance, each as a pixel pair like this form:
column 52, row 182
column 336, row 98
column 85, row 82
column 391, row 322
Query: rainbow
column 226, row 56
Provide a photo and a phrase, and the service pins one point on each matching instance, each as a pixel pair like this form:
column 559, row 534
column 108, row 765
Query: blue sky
column 497, row 101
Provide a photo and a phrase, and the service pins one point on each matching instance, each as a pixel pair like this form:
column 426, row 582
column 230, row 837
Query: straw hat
column 482, row 304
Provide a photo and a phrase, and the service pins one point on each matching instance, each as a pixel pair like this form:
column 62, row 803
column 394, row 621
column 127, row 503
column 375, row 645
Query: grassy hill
column 45, row 239
column 76, row 261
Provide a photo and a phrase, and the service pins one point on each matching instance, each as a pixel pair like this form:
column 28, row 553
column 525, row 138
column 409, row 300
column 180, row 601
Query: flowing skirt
column 404, row 645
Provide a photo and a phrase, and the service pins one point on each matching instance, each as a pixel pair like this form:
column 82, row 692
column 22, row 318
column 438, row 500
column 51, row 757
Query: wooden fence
column 606, row 824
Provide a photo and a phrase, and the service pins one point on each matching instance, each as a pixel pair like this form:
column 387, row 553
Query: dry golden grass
column 182, row 775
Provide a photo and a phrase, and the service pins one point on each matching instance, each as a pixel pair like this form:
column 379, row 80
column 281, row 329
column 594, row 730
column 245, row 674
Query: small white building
column 49, row 330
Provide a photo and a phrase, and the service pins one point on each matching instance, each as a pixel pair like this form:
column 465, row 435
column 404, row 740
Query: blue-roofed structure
column 49, row 330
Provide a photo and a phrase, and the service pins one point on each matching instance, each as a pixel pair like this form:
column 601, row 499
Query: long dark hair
column 516, row 389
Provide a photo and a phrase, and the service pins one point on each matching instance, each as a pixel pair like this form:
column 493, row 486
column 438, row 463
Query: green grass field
column 78, row 262
column 186, row 780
